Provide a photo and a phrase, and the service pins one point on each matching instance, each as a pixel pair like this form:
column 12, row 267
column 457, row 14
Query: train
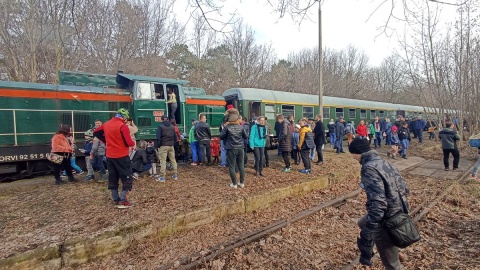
column 33, row 112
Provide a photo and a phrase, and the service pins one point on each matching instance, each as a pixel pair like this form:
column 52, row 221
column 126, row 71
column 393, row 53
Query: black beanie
column 359, row 146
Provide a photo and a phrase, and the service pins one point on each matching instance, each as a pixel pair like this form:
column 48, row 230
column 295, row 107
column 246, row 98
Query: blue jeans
column 339, row 144
column 312, row 153
column 223, row 154
column 194, row 146
column 403, row 152
column 476, row 167
column 333, row 139
column 378, row 138
column 98, row 163
column 74, row 165
column 388, row 140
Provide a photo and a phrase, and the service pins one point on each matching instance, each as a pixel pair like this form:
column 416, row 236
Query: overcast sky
column 344, row 23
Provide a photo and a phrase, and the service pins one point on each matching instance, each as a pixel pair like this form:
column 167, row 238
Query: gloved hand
column 366, row 252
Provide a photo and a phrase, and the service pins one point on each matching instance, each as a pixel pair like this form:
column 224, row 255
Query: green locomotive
column 33, row 112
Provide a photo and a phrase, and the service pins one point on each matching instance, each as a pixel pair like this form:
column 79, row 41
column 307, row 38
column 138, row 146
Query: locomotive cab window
column 144, row 91
column 287, row 110
column 159, row 92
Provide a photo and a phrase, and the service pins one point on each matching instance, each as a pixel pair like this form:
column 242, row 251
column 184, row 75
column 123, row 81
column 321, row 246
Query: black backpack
column 309, row 140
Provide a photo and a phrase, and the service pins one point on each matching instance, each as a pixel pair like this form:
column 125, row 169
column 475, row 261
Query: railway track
column 201, row 259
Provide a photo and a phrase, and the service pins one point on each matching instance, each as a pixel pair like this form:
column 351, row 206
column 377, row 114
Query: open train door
column 400, row 112
column 255, row 110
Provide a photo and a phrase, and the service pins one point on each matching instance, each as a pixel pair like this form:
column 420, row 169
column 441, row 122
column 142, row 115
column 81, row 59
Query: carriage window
column 159, row 94
column 144, row 91
column 381, row 114
column 326, row 113
column 363, row 114
column 287, row 110
column 308, row 112
column 373, row 113
column 352, row 113
column 270, row 111
column 338, row 112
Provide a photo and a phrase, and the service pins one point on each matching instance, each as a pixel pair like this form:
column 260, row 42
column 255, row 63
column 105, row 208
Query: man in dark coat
column 203, row 136
column 450, row 137
column 234, row 135
column 285, row 141
column 319, row 131
column 386, row 196
column 340, row 131
column 278, row 130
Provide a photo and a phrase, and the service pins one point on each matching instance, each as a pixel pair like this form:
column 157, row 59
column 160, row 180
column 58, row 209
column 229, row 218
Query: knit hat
column 359, row 146
column 394, row 128
column 229, row 106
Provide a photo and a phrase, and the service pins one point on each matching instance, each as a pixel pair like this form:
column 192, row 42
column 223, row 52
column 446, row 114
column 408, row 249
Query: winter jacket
column 233, row 136
column 419, row 124
column 339, row 129
column 98, row 148
column 139, row 160
column 166, row 135
column 202, row 131
column 116, row 135
column 449, row 138
column 151, row 154
column 295, row 140
column 60, row 144
column 381, row 181
column 398, row 124
column 350, row 128
column 395, row 139
column 88, row 147
column 257, row 136
column 403, row 133
column 331, row 127
column 319, row 131
column 380, row 126
column 362, row 130
column 191, row 134
column 215, row 147
column 285, row 139
column 303, row 133
column 278, row 128
column 371, row 129
column 246, row 128
column 388, row 128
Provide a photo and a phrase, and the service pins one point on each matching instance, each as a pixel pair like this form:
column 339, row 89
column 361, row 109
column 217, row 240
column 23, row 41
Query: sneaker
column 404, row 157
column 241, row 185
column 305, row 171
column 233, row 186
column 160, row 179
column 89, row 178
column 193, row 164
column 285, row 170
column 175, row 177
column 446, row 169
column 135, row 176
column 81, row 172
column 124, row 204
column 455, row 169
column 60, row 182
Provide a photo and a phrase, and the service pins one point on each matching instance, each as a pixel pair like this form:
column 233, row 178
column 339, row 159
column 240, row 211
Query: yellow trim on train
column 325, row 105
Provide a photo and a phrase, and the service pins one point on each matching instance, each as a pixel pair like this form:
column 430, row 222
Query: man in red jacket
column 116, row 135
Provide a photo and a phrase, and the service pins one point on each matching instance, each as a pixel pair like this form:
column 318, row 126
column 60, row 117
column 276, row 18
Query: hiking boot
column 103, row 178
column 175, row 177
column 60, row 182
column 124, row 204
column 233, row 185
column 241, row 185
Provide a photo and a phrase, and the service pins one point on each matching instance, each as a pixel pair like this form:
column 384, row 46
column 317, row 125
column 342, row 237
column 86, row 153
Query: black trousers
column 119, row 169
column 266, row 156
column 286, row 158
column 235, row 161
column 307, row 162
column 205, row 150
column 258, row 154
column 66, row 164
column 456, row 157
column 319, row 153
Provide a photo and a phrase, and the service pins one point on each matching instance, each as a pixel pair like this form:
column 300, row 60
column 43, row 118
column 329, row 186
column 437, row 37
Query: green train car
column 252, row 101
column 33, row 112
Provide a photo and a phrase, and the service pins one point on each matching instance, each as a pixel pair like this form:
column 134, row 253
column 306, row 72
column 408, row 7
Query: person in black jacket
column 139, row 160
column 404, row 137
column 166, row 138
column 203, row 136
column 386, row 193
column 278, row 131
column 332, row 133
column 234, row 135
column 319, row 131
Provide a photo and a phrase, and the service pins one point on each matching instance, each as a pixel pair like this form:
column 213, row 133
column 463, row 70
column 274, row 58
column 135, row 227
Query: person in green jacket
column 371, row 132
column 193, row 143
column 258, row 135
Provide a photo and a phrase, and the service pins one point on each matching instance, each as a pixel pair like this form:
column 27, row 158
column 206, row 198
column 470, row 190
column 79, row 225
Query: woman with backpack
column 305, row 144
